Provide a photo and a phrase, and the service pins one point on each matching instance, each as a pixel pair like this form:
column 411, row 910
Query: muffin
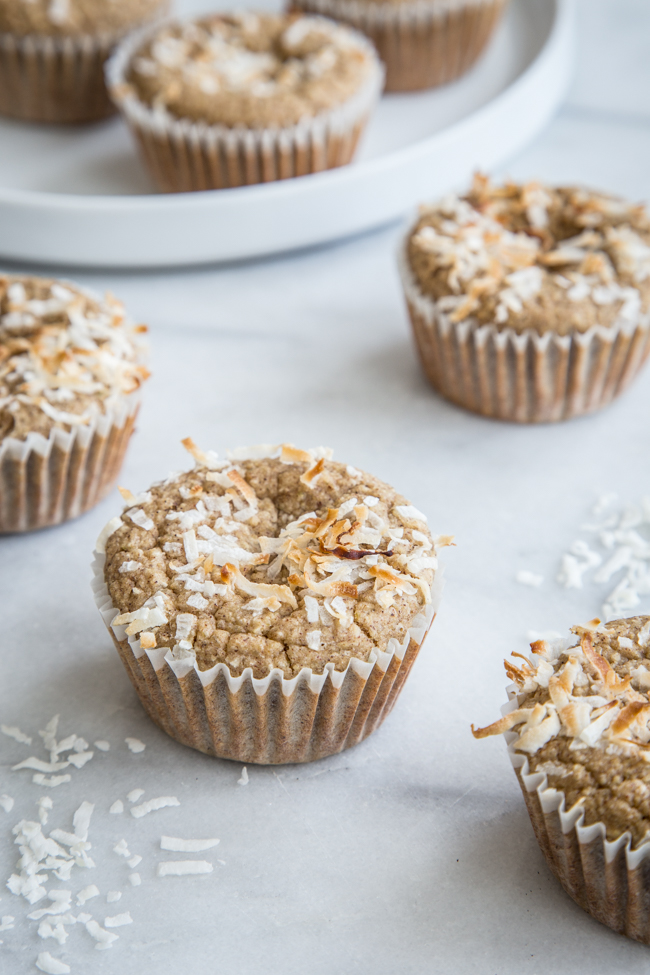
column 423, row 43
column 231, row 100
column 268, row 608
column 579, row 740
column 528, row 302
column 70, row 373
column 52, row 55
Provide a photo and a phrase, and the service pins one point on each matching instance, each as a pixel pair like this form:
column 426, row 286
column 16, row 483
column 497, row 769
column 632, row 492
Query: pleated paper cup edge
column 158, row 657
column 339, row 121
column 427, row 309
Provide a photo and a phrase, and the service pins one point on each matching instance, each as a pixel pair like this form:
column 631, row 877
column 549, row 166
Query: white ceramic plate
column 79, row 196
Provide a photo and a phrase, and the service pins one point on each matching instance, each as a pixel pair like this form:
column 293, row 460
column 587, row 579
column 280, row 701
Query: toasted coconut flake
column 203, row 458
column 506, row 723
column 232, row 575
column 243, row 487
column 310, row 477
column 292, row 455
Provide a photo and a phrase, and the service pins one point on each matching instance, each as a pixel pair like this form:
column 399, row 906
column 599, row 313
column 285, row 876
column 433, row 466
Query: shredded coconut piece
column 103, row 938
column 135, row 794
column 103, row 746
column 118, row 921
column 52, row 782
column 181, row 868
column 117, row 807
column 113, row 896
column 243, row 779
column 6, row 802
column 135, row 745
column 186, row 846
column 51, row 966
column 152, row 805
column 15, row 733
column 86, row 894
column 134, row 879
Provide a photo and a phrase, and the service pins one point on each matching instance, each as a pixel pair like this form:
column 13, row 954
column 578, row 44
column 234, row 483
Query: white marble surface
column 412, row 852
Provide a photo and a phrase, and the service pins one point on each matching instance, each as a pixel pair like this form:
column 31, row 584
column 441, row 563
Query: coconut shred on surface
column 582, row 719
column 63, row 877
column 534, row 257
column 276, row 558
column 614, row 555
column 66, row 356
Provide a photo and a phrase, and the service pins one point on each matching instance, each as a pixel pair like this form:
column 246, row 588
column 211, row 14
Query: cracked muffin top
column 582, row 719
column 76, row 17
column 277, row 558
column 552, row 259
column 66, row 356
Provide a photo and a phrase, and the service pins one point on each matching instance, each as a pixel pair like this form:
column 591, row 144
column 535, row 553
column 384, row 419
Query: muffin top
column 559, row 259
column 66, row 356
column 277, row 558
column 582, row 720
column 75, row 17
column 250, row 69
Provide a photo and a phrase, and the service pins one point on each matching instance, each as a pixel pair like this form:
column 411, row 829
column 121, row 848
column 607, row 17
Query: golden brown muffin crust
column 582, row 720
column 252, row 70
column 560, row 259
column 66, row 356
column 285, row 561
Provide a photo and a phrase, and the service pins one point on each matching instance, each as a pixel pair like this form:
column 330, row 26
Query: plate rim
column 49, row 207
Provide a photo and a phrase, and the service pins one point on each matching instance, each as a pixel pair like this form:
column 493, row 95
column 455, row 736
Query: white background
column 412, row 853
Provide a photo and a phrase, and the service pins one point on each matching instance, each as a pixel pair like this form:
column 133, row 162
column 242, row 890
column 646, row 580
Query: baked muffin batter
column 534, row 257
column 280, row 558
column 66, row 356
column 251, row 70
column 582, row 720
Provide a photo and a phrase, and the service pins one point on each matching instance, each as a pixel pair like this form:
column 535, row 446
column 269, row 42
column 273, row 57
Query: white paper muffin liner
column 46, row 481
column 523, row 377
column 608, row 879
column 269, row 720
column 54, row 79
column 44, row 78
column 423, row 43
column 182, row 155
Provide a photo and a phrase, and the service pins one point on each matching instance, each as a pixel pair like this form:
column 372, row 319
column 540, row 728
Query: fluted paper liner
column 54, row 79
column 524, row 377
column 423, row 43
column 269, row 720
column 182, row 155
column 45, row 481
column 608, row 879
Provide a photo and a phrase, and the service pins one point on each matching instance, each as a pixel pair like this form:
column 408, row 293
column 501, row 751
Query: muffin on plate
column 268, row 608
column 579, row 740
column 423, row 43
column 52, row 55
column 529, row 302
column 70, row 373
column 235, row 99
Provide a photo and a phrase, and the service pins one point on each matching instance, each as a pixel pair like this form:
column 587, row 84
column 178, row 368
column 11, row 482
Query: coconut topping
column 66, row 357
column 278, row 559
column 583, row 718
column 250, row 69
column 530, row 256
